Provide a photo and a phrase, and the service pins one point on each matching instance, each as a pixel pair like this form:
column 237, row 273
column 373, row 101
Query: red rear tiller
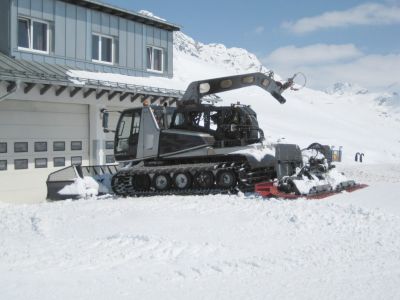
column 271, row 190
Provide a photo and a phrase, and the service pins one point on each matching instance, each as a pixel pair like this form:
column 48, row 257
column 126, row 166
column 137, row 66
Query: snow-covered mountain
column 390, row 101
column 346, row 88
column 235, row 59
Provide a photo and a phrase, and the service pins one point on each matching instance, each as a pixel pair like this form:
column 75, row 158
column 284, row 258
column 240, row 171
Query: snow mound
column 88, row 186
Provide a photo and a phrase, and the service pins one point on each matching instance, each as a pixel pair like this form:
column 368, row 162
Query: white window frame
column 152, row 59
column 100, row 53
column 30, row 35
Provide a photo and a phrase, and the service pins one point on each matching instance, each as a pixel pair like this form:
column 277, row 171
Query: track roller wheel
column 182, row 180
column 117, row 186
column 141, row 182
column 226, row 179
column 161, row 182
column 204, row 179
column 114, row 182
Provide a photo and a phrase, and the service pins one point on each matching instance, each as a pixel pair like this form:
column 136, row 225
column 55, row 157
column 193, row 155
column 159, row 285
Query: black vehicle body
column 198, row 148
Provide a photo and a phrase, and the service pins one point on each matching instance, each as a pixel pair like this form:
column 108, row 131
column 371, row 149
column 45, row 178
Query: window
column 33, row 35
column 136, row 123
column 3, row 147
column 3, row 165
column 155, row 59
column 128, row 132
column 40, row 163
column 58, row 146
column 59, row 161
column 23, row 33
column 76, row 146
column 109, row 145
column 76, row 160
column 179, row 119
column 20, row 164
column 40, row 146
column 110, row 159
column 21, row 147
column 102, row 49
column 124, row 132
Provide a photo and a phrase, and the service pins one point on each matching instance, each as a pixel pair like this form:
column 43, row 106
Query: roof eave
column 123, row 13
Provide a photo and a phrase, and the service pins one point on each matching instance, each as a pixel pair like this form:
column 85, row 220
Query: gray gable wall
column 72, row 28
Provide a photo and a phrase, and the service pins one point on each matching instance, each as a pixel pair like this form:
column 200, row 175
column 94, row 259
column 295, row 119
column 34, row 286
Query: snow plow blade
column 270, row 190
column 76, row 182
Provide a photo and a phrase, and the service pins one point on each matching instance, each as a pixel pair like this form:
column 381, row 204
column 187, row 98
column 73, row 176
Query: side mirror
column 105, row 115
column 105, row 119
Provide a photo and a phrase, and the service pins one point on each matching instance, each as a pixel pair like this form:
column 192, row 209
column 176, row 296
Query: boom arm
column 198, row 89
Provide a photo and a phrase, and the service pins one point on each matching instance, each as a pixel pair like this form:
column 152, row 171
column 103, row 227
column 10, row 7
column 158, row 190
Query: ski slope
column 214, row 247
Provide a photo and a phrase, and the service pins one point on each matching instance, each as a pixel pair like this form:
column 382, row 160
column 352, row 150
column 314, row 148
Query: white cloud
column 259, row 29
column 348, row 64
column 365, row 14
column 313, row 54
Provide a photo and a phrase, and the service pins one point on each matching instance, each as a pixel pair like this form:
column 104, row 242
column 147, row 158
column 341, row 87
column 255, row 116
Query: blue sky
column 342, row 34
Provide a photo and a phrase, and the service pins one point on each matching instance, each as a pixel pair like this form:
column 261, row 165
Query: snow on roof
column 146, row 18
column 151, row 81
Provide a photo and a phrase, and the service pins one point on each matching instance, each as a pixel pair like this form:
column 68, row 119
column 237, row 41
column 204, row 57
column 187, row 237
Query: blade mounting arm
column 198, row 89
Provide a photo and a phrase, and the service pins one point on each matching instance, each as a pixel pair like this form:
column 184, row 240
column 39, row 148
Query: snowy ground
column 216, row 247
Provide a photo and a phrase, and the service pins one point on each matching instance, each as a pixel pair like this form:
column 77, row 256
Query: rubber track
column 246, row 179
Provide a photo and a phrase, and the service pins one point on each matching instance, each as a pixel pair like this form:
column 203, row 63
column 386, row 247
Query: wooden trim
column 29, row 87
column 11, row 85
column 112, row 95
column 60, row 90
column 45, row 89
column 88, row 93
column 136, row 96
column 74, row 91
column 123, row 96
column 101, row 94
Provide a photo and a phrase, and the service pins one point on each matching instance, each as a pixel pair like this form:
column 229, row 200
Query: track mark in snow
column 179, row 273
column 216, row 269
column 197, row 271
column 35, row 225
column 252, row 264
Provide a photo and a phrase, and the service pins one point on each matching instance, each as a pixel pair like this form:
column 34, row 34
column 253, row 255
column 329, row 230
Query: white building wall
column 47, row 118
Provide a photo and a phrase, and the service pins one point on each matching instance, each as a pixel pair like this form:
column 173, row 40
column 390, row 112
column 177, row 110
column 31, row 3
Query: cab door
column 127, row 135
column 149, row 135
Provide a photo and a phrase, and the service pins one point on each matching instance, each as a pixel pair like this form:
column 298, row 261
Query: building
column 49, row 118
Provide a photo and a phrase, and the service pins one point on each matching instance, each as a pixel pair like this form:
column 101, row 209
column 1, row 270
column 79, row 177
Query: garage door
column 37, row 138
